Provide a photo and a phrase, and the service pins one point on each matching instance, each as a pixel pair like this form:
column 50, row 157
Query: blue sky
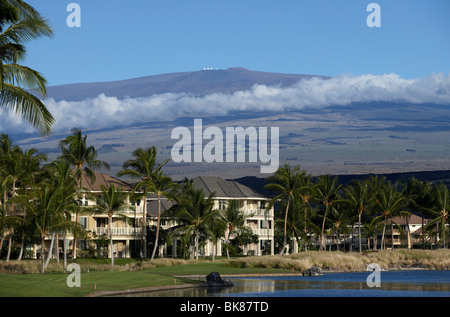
column 127, row 39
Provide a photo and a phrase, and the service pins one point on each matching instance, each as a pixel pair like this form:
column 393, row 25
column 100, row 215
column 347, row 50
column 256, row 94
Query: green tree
column 440, row 211
column 83, row 158
column 390, row 203
column 161, row 186
column 21, row 23
column 110, row 202
column 235, row 223
column 143, row 166
column 194, row 212
column 286, row 182
column 327, row 193
column 358, row 197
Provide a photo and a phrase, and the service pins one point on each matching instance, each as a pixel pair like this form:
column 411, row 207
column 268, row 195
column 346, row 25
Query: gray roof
column 224, row 188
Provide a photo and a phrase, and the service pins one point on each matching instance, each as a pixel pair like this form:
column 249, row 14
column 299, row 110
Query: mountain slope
column 198, row 83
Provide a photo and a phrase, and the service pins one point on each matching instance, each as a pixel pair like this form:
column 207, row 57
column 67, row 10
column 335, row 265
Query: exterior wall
column 123, row 233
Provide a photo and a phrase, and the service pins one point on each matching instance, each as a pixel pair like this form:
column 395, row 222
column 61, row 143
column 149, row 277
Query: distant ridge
column 197, row 83
column 257, row 183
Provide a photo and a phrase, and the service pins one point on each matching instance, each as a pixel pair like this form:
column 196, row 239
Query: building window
column 84, row 222
column 262, row 205
column 222, row 204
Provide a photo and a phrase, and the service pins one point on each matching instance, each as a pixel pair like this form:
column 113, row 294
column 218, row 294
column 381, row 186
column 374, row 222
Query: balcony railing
column 118, row 231
column 259, row 212
column 263, row 232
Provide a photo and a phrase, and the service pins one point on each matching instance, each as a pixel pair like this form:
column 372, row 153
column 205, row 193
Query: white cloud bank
column 103, row 112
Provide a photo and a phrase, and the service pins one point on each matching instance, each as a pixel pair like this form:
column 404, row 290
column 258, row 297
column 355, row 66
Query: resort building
column 127, row 234
column 250, row 203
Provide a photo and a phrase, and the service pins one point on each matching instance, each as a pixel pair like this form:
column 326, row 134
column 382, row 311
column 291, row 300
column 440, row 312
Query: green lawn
column 54, row 284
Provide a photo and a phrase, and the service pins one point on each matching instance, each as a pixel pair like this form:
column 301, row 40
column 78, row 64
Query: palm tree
column 390, row 203
column 16, row 81
column 357, row 196
column 5, row 182
column 440, row 210
column 110, row 202
column 195, row 212
column 162, row 184
column 46, row 205
column 59, row 173
column 286, row 182
column 29, row 164
column 143, row 167
column 235, row 222
column 76, row 152
column 327, row 193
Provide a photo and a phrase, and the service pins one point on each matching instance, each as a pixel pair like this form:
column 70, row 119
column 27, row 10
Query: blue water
column 391, row 284
column 416, row 283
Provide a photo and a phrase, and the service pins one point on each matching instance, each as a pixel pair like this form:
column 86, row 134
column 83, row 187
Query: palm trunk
column 382, row 236
column 322, row 243
column 43, row 253
column 359, row 232
column 143, row 251
column 196, row 243
column 285, row 228
column 9, row 246
column 12, row 214
column 65, row 253
column 111, row 240
column 157, row 228
column 50, row 250
column 57, row 249
column 392, row 234
column 74, row 246
column 306, row 234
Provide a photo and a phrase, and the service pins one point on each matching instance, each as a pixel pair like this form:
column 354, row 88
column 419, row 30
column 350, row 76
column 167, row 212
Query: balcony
column 125, row 231
column 259, row 212
column 263, row 232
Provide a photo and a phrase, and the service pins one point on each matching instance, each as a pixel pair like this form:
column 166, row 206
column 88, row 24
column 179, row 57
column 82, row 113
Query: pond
column 414, row 283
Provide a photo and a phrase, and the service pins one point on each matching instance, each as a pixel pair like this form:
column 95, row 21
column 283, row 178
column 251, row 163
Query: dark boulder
column 313, row 271
column 213, row 279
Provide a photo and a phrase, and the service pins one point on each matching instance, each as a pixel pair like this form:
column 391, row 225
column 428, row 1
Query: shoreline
column 242, row 275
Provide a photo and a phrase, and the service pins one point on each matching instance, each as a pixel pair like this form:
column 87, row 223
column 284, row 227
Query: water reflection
column 423, row 283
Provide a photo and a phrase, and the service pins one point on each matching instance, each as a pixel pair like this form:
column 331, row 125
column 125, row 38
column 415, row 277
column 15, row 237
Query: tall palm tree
column 389, row 202
column 359, row 199
column 286, row 182
column 195, row 213
column 235, row 222
column 22, row 24
column 143, row 166
column 29, row 164
column 327, row 193
column 60, row 174
column 83, row 158
column 111, row 201
column 162, row 185
column 46, row 203
column 440, row 211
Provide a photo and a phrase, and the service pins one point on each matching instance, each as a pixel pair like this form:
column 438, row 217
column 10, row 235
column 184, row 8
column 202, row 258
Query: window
column 263, row 205
column 84, row 222
column 222, row 204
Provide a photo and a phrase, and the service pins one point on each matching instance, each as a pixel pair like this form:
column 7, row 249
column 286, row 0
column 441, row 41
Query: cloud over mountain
column 109, row 111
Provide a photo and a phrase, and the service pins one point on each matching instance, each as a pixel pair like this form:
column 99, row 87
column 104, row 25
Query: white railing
column 136, row 210
column 263, row 232
column 118, row 231
column 259, row 212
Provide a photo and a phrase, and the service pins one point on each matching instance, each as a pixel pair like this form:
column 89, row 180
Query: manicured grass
column 55, row 285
